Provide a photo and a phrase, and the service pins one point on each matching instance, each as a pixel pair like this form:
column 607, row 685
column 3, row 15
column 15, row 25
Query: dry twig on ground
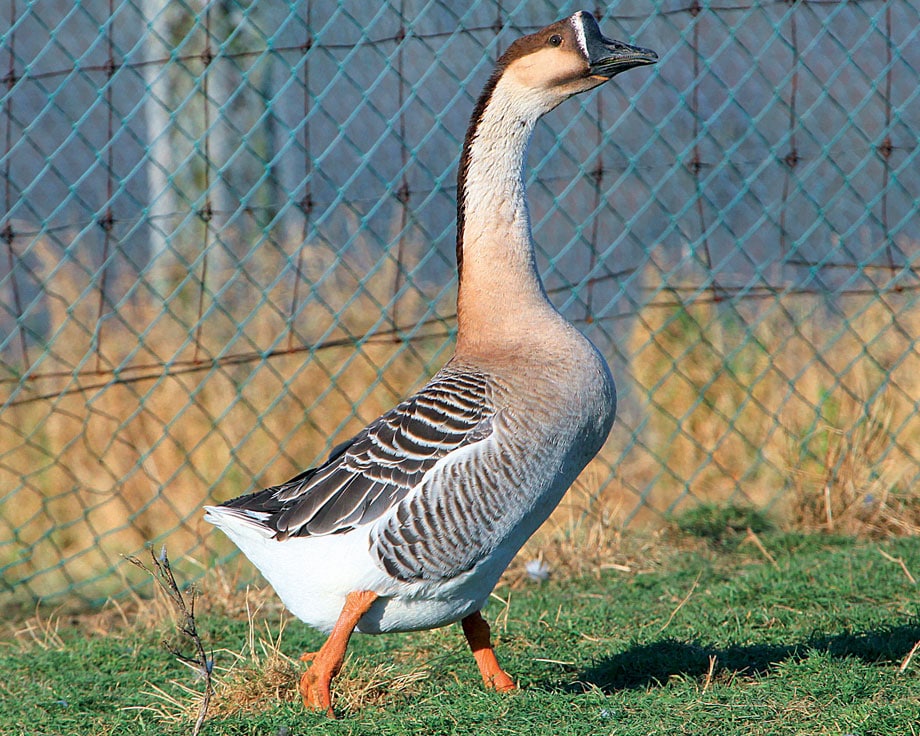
column 200, row 661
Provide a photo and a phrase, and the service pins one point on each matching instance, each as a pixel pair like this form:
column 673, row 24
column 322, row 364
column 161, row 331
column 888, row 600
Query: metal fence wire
column 227, row 243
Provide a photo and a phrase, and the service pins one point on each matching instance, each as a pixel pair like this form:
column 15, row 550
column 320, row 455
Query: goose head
column 535, row 74
column 566, row 58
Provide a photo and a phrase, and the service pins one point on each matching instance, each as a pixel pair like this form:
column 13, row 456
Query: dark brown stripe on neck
column 475, row 122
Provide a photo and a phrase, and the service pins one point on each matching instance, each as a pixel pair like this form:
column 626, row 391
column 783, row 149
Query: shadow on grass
column 646, row 665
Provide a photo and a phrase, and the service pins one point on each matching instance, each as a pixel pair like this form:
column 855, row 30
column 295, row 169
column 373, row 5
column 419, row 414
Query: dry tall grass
column 107, row 463
column 803, row 405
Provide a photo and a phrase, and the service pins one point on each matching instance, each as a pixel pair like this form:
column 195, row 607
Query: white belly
column 313, row 575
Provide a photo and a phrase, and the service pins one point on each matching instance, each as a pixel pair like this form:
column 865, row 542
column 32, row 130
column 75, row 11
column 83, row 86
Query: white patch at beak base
column 580, row 34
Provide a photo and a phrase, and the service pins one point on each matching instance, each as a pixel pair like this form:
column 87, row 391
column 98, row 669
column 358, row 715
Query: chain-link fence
column 227, row 243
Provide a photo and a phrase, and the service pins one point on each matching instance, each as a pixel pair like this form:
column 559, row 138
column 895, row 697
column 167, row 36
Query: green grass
column 702, row 641
column 722, row 524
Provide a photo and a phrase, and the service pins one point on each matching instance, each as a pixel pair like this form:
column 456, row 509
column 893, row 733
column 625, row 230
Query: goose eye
column 555, row 40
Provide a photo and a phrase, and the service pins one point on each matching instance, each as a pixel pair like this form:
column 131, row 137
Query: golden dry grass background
column 800, row 404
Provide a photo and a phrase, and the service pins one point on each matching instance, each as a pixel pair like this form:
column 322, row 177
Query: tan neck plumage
column 500, row 288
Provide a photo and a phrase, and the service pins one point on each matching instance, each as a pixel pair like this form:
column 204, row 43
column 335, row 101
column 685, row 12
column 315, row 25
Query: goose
column 409, row 524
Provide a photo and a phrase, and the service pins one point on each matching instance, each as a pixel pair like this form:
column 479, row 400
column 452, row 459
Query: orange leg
column 478, row 635
column 315, row 682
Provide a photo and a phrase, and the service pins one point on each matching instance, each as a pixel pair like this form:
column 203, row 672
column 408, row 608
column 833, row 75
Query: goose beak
column 606, row 57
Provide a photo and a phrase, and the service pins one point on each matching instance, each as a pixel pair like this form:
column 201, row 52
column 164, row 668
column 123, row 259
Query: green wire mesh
column 227, row 243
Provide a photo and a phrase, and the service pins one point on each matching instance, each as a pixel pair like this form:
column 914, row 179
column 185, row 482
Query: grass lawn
column 809, row 635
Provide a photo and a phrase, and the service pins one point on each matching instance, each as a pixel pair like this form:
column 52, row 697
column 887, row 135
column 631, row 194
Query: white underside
column 313, row 575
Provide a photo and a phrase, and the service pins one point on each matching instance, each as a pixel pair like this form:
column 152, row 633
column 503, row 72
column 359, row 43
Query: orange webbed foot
column 478, row 635
column 314, row 690
column 326, row 663
column 500, row 681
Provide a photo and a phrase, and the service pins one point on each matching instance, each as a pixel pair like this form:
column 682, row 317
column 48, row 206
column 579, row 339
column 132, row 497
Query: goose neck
column 498, row 273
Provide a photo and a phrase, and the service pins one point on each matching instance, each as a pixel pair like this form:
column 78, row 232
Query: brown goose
column 409, row 524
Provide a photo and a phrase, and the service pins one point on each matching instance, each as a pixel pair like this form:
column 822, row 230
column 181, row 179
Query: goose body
column 409, row 524
column 429, row 504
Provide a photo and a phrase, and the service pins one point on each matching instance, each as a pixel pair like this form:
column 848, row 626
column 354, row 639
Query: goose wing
column 376, row 469
column 467, row 507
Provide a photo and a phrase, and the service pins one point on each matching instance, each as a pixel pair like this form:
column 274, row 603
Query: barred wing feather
column 461, row 512
column 376, row 469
